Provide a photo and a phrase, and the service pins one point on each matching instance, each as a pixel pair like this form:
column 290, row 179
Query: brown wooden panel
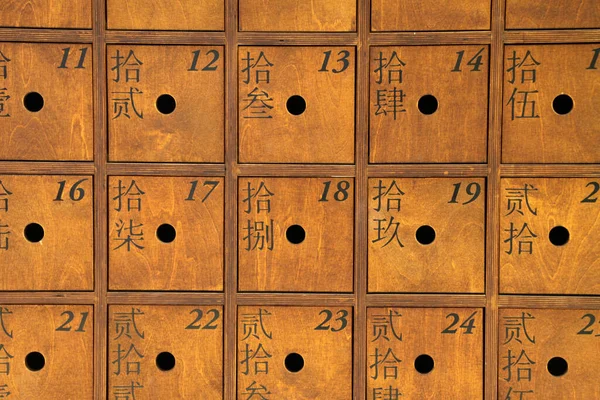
column 165, row 352
column 46, row 232
column 149, row 128
column 533, row 130
column 421, row 353
column 430, row 15
column 294, row 352
column 165, row 233
column 295, row 234
column 298, row 15
column 46, row 14
column 550, row 229
column 542, row 14
column 46, row 102
column 532, row 344
column 46, row 352
column 408, row 125
column 269, row 80
column 426, row 235
column 189, row 15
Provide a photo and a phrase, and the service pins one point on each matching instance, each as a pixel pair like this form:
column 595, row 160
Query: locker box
column 46, row 351
column 430, row 15
column 540, row 14
column 165, row 352
column 418, row 353
column 548, row 354
column 46, row 232
column 428, row 104
column 549, row 234
column 166, row 103
column 296, row 104
column 550, row 107
column 294, row 352
column 295, row 234
column 426, row 235
column 165, row 233
column 298, row 15
column 46, row 101
column 71, row 14
column 186, row 15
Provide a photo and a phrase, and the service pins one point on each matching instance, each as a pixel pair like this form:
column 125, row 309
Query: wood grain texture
column 68, row 353
column 555, row 333
column 297, row 15
column 193, row 260
column 550, row 137
column 453, row 262
column 321, row 262
column 324, row 133
column 430, row 15
column 62, row 129
column 63, row 258
column 455, row 132
column 541, row 14
column 280, row 331
column 191, row 15
column 195, row 343
column 193, row 131
column 536, row 265
column 65, row 14
column 457, row 358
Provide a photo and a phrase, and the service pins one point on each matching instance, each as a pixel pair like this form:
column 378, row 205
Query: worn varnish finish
column 192, row 259
column 273, row 256
column 324, row 132
column 553, row 232
column 297, row 15
column 405, row 128
column 72, row 14
column 542, row 14
column 62, row 129
column 321, row 336
column 192, row 335
column 193, row 130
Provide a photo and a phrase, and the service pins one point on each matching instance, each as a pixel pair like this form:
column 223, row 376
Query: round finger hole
column 296, row 105
column 35, row 361
column 294, row 362
column 165, row 104
column 295, row 234
column 559, row 235
column 166, row 233
column 165, row 361
column 428, row 104
column 562, row 104
column 424, row 364
column 425, row 234
column 557, row 366
column 34, row 232
column 33, row 102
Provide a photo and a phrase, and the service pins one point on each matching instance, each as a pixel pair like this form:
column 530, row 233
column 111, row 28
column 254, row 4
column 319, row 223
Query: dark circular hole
column 295, row 234
column 559, row 235
column 425, row 234
column 165, row 104
column 166, row 233
column 562, row 104
column 35, row 361
column 558, row 366
column 424, row 364
column 33, row 101
column 165, row 361
column 34, row 232
column 428, row 104
column 296, row 105
column 294, row 362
